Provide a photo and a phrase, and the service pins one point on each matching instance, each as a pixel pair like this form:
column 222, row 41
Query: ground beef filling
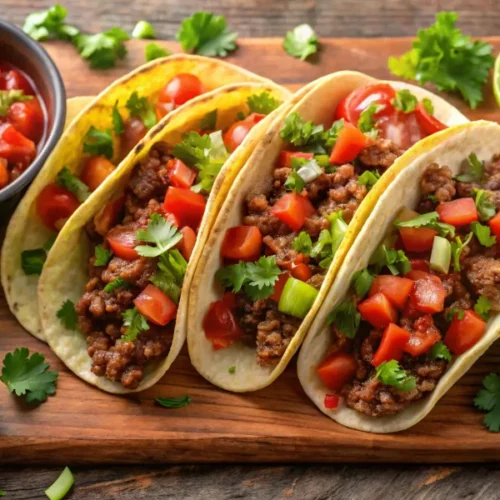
column 99, row 312
column 264, row 326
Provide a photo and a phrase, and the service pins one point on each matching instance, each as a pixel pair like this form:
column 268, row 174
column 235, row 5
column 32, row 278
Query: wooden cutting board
column 279, row 424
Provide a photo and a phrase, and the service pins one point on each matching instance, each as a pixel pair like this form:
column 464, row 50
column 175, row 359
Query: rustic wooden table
column 333, row 18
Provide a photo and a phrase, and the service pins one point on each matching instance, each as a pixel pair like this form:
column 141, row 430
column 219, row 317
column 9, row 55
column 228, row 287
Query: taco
column 284, row 228
column 102, row 135
column 416, row 301
column 113, row 291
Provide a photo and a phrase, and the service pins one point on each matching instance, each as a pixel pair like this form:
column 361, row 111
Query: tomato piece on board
column 459, row 212
column 4, row 173
column 28, row 118
column 420, row 265
column 349, row 144
column 238, row 131
column 242, row 243
column 394, row 339
column 464, row 333
column 428, row 123
column 293, row 209
column 134, row 132
column 180, row 174
column 95, row 171
column 424, row 336
column 188, row 207
column 301, row 272
column 428, row 293
column 55, row 205
column 402, row 129
column 285, row 157
column 337, row 369
column 181, row 88
column 15, row 80
column 279, row 285
column 331, row 401
column 378, row 311
column 122, row 241
column 108, row 216
column 186, row 245
column 15, row 147
column 395, row 288
column 417, row 239
column 494, row 224
column 155, row 305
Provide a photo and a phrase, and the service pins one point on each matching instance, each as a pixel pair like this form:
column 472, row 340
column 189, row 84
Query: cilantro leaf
column 456, row 250
column 431, row 221
column 73, row 184
column 141, row 108
column 118, row 125
column 263, row 103
column 302, row 243
column 193, row 149
column 233, row 276
column 440, row 351
column 485, row 208
column 161, row 233
column 488, row 399
column 102, row 49
column 366, row 123
column 102, row 256
column 390, row 373
column 483, row 308
column 323, row 249
column 209, row 121
column 231, row 370
column 48, row 24
column 32, row 261
column 428, row 106
column 27, row 375
column 362, row 282
column 174, row 402
column 143, row 30
column 405, row 101
column 454, row 313
column 369, row 178
column 301, row 42
column 483, row 234
column 98, row 143
column 440, row 54
column 9, row 97
column 262, row 276
column 116, row 283
column 300, row 133
column 67, row 315
column 206, row 35
column 294, row 182
column 474, row 170
column 154, row 51
column 135, row 323
column 169, row 275
column 346, row 318
column 395, row 260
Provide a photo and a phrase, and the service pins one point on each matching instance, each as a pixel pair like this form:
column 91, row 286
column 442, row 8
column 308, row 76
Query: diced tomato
column 301, row 272
column 464, row 333
column 417, row 239
column 494, row 224
column 237, row 132
column 395, row 288
column 331, row 401
column 4, row 173
column 416, row 274
column 288, row 264
column 378, row 311
column 220, row 325
column 186, row 245
column 134, row 132
column 182, row 88
column 394, row 339
column 162, row 109
column 337, row 369
column 242, row 243
column 402, row 129
column 410, row 312
column 293, row 209
column 122, row 241
column 420, row 265
column 424, row 336
column 15, row 80
column 428, row 123
column 180, row 174
column 95, row 171
column 285, row 157
column 27, row 117
column 349, row 144
column 155, row 305
column 55, row 205
column 428, row 293
column 108, row 216
column 279, row 285
column 187, row 206
column 14, row 147
column 459, row 212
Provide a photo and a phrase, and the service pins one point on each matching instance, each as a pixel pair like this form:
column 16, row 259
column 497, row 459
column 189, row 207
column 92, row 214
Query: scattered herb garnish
column 49, row 24
column 263, row 103
column 294, row 182
column 456, row 250
column 118, row 125
column 485, row 207
column 405, row 101
column 209, row 121
column 488, row 399
column 483, row 234
column 366, row 123
column 98, row 143
column 369, row 178
column 143, row 30
column 232, row 370
column 428, row 106
column 67, row 315
column 362, row 282
column 474, row 170
column 116, row 283
column 390, row 373
column 303, row 243
column 73, row 184
column 154, row 51
column 483, row 308
column 301, row 42
column 162, row 234
column 141, row 108
column 135, row 323
column 431, row 221
column 32, row 261
column 102, row 256
column 174, row 402
column 395, row 260
column 169, row 275
column 440, row 351
column 454, row 313
column 346, row 318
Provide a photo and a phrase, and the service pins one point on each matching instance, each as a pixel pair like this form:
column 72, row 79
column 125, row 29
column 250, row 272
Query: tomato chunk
column 156, row 305
column 337, row 369
column 424, row 336
column 162, row 109
column 378, row 311
column 394, row 339
column 459, row 212
column 494, row 224
column 4, row 173
column 279, row 285
column 95, row 171
column 242, row 243
column 15, row 80
column 464, row 333
column 395, row 288
column 420, row 265
column 122, row 241
column 301, row 272
column 187, row 206
column 27, row 117
column 349, row 144
column 417, row 239
column 182, row 88
column 186, row 245
column 180, row 174
column 14, row 147
column 55, row 205
column 238, row 131
column 293, row 209
column 108, row 216
column 428, row 123
column 428, row 293
column 331, row 401
column 134, row 132
column 285, row 157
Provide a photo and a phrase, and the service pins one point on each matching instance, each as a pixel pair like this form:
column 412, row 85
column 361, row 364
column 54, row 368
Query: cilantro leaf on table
column 73, row 184
column 207, row 35
column 483, row 234
column 135, row 323
column 485, row 207
column 263, row 103
column 431, row 221
column 102, row 256
column 209, row 121
column 67, row 315
column 439, row 55
column 28, row 376
column 174, row 402
column 390, row 373
column 161, row 233
column 366, row 123
column 154, row 51
column 118, row 125
column 483, row 308
column 362, row 282
column 116, row 283
column 169, row 275
column 369, row 178
column 405, row 101
column 49, row 24
column 98, row 143
column 303, row 243
column 456, row 250
column 345, row 318
column 488, row 399
column 9, row 97
column 440, row 351
column 141, row 108
column 301, row 42
column 474, row 170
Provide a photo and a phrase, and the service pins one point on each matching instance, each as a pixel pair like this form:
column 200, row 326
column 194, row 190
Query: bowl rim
column 57, row 89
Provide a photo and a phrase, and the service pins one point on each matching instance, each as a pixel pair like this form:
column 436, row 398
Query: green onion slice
column 440, row 255
column 61, row 486
column 297, row 298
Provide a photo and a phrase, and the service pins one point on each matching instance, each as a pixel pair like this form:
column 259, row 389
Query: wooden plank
column 277, row 424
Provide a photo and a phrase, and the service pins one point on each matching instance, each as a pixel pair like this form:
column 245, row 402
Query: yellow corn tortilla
column 449, row 147
column 25, row 230
column 66, row 270
column 318, row 104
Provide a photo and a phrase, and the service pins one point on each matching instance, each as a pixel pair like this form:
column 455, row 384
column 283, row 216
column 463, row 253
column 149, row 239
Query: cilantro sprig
column 135, row 323
column 169, row 275
column 391, row 373
column 303, row 243
column 32, row 261
column 346, row 318
column 366, row 122
column 263, row 103
column 161, row 234
column 395, row 260
column 474, row 170
column 98, row 143
column 483, row 308
column 301, row 42
column 440, row 351
column 362, row 282
column 49, row 24
column 483, row 234
column 67, row 315
column 73, row 184
column 154, row 51
column 429, row 220
column 457, row 247
column 485, row 207
column 405, row 101
column 141, row 108
column 488, row 399
column 115, row 284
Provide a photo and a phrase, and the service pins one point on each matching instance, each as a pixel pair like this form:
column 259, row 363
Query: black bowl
column 17, row 48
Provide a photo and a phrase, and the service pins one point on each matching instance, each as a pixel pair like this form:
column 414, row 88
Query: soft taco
column 287, row 223
column 114, row 288
column 99, row 138
column 416, row 301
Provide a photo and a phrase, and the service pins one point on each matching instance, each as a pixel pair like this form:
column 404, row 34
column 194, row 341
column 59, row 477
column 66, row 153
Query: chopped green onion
column 143, row 30
column 440, row 255
column 61, row 486
column 297, row 298
column 310, row 171
column 338, row 228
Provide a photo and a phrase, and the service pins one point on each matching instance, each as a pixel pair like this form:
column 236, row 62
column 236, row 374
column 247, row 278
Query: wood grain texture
column 82, row 425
